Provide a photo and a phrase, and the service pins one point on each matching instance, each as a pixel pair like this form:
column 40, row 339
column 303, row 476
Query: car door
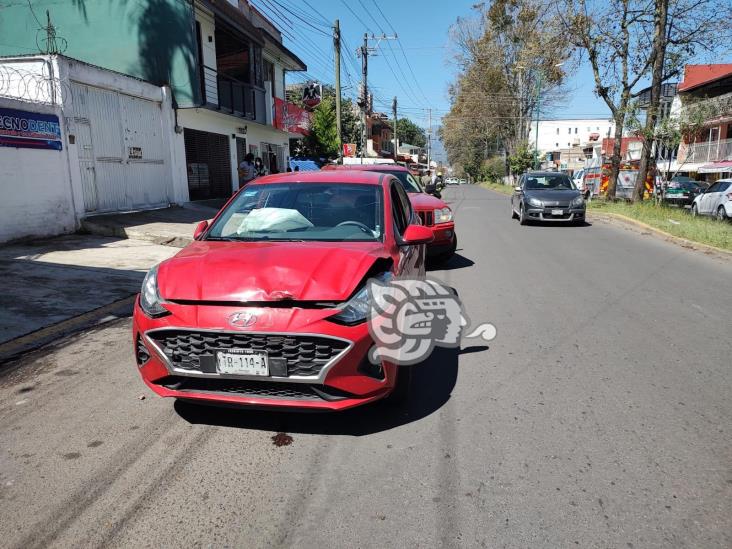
column 718, row 198
column 411, row 258
column 705, row 202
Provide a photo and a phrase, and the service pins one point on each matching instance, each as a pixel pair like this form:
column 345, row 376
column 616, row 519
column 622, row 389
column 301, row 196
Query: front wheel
column 721, row 213
column 513, row 213
column 694, row 210
column 523, row 218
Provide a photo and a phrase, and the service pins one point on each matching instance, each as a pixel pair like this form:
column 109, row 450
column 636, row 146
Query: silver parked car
column 716, row 201
column 547, row 196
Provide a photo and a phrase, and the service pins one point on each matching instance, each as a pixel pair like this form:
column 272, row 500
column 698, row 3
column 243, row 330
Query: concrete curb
column 34, row 340
column 684, row 242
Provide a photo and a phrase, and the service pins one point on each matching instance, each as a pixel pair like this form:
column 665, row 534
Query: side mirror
column 200, row 229
column 517, row 188
column 417, row 234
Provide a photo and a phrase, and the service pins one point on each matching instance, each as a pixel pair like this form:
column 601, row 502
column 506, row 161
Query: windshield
column 408, row 181
column 548, row 182
column 291, row 212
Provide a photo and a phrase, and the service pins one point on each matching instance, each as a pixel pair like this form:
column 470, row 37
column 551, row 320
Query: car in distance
column 432, row 211
column 267, row 306
column 682, row 193
column 715, row 201
column 547, row 196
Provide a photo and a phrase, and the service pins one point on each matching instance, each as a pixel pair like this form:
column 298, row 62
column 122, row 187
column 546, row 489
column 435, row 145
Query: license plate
column 557, row 212
column 242, row 362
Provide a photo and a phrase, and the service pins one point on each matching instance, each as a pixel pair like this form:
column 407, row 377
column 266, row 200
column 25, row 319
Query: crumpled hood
column 424, row 201
column 267, row 271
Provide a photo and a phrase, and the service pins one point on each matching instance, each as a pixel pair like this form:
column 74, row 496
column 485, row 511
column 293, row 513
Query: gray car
column 547, row 196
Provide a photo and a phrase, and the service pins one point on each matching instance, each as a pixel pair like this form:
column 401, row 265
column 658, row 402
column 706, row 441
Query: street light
column 538, row 109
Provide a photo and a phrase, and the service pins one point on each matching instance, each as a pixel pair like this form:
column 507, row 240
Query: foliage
column 508, row 57
column 522, row 159
column 493, row 169
column 322, row 141
column 409, row 132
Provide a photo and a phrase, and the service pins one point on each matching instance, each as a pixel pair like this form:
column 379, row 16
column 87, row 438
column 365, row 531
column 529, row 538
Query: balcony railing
column 710, row 151
column 233, row 96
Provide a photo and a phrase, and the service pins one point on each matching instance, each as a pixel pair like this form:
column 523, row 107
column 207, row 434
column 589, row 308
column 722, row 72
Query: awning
column 717, row 167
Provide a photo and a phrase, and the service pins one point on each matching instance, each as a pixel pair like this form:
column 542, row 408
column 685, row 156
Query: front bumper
column 679, row 200
column 445, row 239
column 174, row 355
column 549, row 214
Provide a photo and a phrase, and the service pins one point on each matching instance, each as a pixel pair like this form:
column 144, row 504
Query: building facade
column 561, row 143
column 223, row 62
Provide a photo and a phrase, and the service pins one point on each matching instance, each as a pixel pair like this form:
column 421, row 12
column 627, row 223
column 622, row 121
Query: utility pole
column 337, row 48
column 364, row 52
column 364, row 91
column 429, row 139
column 536, row 133
column 396, row 138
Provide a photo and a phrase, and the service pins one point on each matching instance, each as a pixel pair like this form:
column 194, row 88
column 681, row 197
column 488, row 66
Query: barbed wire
column 40, row 87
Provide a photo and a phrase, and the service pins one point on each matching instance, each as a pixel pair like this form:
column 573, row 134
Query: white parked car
column 715, row 201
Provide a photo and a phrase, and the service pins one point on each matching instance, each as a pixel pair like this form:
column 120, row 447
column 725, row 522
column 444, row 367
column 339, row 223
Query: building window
column 557, row 131
column 556, row 145
column 569, row 131
column 575, row 131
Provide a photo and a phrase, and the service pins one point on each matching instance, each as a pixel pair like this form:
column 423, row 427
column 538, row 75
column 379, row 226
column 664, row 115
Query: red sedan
column 433, row 212
column 267, row 307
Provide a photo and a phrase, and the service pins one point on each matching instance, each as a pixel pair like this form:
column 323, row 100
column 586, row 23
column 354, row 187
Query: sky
column 415, row 68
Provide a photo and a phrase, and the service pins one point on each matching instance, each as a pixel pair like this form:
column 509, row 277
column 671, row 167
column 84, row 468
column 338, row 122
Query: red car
column 433, row 212
column 267, row 307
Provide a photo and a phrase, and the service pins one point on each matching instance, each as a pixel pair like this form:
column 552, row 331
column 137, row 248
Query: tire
column 403, row 388
column 694, row 210
column 514, row 215
column 523, row 220
column 721, row 213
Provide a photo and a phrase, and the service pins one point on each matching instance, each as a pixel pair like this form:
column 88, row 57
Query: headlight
column 443, row 215
column 535, row 202
column 356, row 309
column 150, row 300
column 578, row 202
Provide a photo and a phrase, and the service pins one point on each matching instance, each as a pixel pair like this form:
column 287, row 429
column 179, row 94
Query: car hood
column 267, row 271
column 424, row 201
column 552, row 197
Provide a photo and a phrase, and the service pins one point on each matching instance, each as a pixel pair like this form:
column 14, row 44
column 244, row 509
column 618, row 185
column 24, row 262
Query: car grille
column 427, row 217
column 303, row 355
column 258, row 389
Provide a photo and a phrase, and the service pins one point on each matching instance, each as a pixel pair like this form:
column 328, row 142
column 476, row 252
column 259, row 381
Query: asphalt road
column 599, row 417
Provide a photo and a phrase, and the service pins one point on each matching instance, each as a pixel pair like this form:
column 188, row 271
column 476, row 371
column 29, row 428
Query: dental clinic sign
column 31, row 130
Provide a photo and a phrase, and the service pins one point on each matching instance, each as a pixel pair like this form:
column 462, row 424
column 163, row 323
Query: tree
column 322, row 139
column 409, row 132
column 680, row 28
column 626, row 41
column 522, row 159
column 508, row 59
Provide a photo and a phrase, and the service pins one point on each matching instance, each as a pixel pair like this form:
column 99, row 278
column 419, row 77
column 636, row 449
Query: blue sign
column 29, row 130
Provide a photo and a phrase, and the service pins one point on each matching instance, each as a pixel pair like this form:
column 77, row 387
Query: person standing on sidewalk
column 247, row 171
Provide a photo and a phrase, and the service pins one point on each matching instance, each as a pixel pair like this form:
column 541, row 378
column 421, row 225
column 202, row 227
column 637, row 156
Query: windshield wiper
column 221, row 239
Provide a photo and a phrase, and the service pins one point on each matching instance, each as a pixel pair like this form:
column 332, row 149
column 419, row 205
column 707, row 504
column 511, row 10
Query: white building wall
column 564, row 134
column 35, row 185
column 214, row 122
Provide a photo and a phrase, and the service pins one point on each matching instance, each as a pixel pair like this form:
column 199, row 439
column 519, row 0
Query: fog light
column 448, row 234
column 142, row 355
column 368, row 368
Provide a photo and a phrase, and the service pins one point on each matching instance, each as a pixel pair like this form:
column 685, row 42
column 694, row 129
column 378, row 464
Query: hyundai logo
column 242, row 320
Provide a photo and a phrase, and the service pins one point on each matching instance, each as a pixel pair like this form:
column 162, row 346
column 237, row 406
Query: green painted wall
column 151, row 39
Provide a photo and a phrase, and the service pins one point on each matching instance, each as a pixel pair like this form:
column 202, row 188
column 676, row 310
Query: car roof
column 389, row 168
column 322, row 176
column 544, row 174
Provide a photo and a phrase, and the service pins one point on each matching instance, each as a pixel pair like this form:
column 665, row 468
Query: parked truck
column 597, row 177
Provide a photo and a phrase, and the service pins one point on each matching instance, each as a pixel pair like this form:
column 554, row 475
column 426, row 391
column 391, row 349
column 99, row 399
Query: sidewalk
column 50, row 281
column 168, row 226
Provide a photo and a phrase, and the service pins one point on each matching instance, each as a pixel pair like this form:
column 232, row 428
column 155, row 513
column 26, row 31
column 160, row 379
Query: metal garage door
column 122, row 150
column 208, row 164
